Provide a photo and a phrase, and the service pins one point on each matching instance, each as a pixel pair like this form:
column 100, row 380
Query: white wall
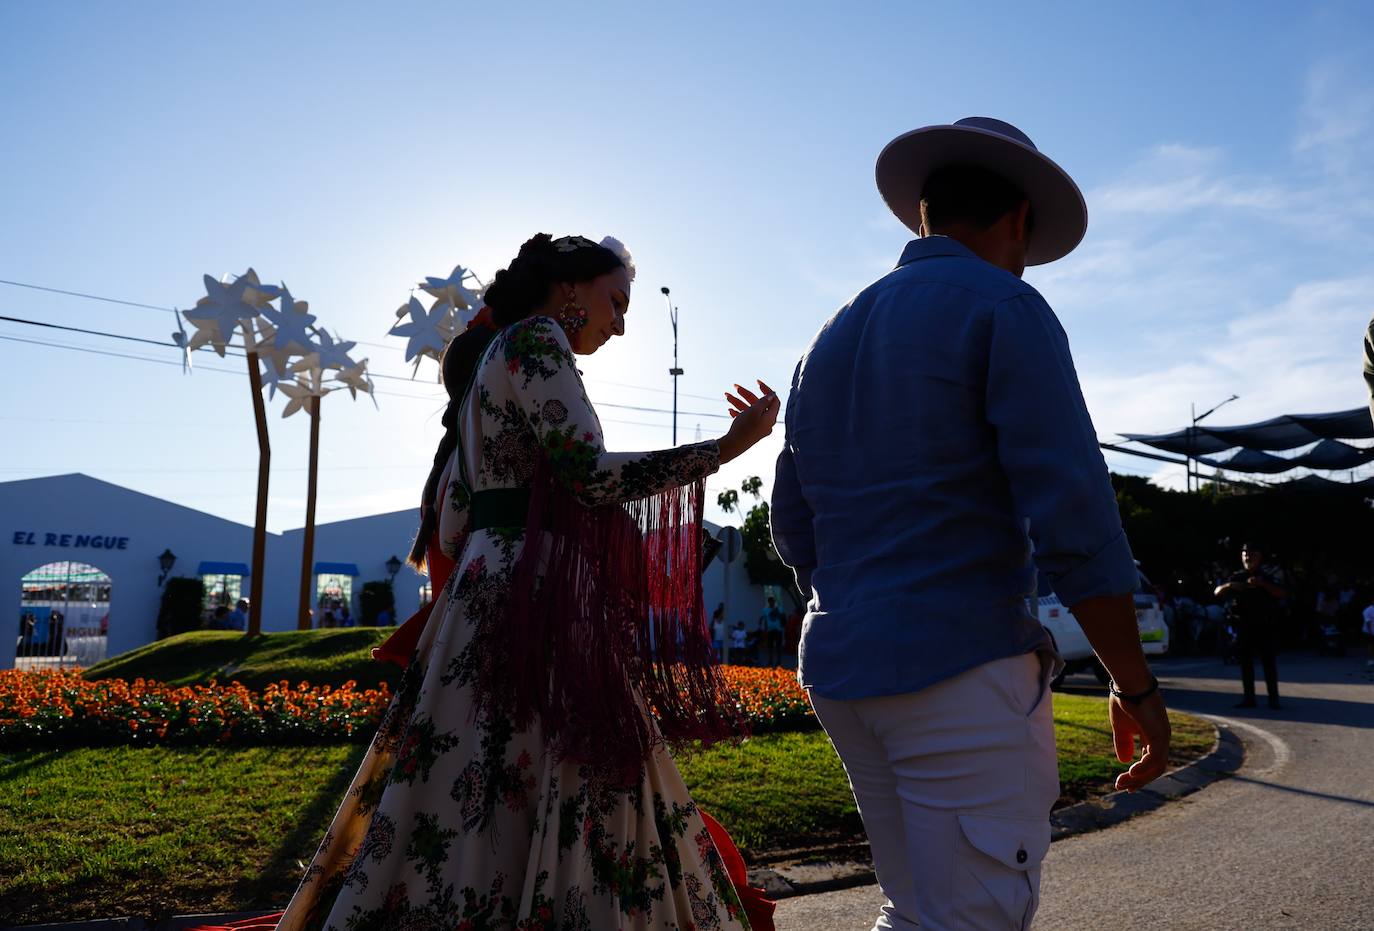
column 746, row 600
column 71, row 517
column 45, row 520
column 367, row 542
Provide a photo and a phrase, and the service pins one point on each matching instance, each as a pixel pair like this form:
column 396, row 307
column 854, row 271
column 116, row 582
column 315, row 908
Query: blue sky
column 350, row 150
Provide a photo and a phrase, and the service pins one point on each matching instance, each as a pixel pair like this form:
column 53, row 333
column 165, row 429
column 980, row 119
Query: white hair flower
column 618, row 247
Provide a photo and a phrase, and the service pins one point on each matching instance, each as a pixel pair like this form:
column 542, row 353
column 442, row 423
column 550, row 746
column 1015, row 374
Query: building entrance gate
column 64, row 616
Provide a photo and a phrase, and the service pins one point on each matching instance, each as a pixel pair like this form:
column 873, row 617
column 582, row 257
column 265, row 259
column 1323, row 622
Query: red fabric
column 400, row 646
column 757, row 907
column 604, row 620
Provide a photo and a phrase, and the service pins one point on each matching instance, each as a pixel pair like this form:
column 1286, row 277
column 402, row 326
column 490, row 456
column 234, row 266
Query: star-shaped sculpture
column 270, row 376
column 225, row 304
column 299, row 394
column 183, row 341
column 355, row 379
column 207, row 331
column 452, row 289
column 292, row 323
column 333, row 352
column 426, row 330
column 257, row 293
column 275, row 362
column 308, row 363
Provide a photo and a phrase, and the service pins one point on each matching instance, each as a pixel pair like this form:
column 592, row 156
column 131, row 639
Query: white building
column 91, row 550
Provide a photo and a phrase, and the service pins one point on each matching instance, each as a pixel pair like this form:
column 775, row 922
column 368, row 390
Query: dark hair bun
column 516, row 291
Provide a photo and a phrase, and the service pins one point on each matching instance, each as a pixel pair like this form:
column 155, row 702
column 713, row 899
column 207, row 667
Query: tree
column 761, row 560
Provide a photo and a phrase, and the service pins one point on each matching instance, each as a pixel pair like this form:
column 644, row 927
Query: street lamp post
column 165, row 562
column 1192, row 434
column 674, row 371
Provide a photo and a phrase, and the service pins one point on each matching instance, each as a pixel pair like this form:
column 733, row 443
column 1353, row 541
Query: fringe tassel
column 604, row 623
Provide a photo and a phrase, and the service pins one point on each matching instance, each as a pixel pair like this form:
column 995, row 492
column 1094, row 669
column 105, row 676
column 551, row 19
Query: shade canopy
column 1286, row 432
column 1256, row 443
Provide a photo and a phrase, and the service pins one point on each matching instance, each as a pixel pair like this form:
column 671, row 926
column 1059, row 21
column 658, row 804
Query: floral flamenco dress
column 475, row 807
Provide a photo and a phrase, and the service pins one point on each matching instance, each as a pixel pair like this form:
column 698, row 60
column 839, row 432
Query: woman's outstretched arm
column 549, row 396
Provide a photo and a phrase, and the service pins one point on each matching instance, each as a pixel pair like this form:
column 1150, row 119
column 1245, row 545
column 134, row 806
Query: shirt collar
column 929, row 246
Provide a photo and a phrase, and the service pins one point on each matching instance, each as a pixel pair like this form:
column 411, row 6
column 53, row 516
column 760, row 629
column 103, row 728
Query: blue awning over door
column 336, row 568
column 222, row 568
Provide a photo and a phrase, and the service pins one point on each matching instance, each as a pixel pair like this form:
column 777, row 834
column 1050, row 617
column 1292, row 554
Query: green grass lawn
column 320, row 657
column 154, row 831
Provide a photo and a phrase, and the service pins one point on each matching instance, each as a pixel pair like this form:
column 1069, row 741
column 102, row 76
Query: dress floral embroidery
column 458, row 820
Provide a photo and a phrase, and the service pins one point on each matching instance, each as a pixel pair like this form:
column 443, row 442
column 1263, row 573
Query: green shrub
column 180, row 608
column 374, row 597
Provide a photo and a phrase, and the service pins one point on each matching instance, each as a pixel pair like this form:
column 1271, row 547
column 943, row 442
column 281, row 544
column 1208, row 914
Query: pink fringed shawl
column 604, row 624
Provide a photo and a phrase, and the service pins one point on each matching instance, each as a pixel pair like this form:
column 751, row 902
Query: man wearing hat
column 935, row 431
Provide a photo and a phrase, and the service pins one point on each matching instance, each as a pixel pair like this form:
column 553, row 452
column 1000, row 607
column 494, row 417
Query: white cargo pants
column 955, row 785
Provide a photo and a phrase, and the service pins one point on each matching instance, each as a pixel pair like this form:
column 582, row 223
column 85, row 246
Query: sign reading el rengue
column 93, row 541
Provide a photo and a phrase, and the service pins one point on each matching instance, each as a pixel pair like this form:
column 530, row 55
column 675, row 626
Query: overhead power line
column 212, row 368
column 361, row 342
column 91, row 297
column 76, row 329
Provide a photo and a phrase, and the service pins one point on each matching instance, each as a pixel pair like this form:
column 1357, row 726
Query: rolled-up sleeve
column 790, row 516
column 1048, row 449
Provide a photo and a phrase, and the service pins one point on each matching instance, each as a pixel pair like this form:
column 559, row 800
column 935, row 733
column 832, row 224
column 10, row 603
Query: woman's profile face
column 606, row 299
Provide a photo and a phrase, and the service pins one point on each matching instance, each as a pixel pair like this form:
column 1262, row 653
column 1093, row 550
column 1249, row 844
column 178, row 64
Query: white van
column 1073, row 645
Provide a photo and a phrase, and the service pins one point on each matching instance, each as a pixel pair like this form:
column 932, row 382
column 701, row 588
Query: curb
column 1224, row 759
column 785, row 882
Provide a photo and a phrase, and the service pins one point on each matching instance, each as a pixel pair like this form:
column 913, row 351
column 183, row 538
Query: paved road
column 1288, row 842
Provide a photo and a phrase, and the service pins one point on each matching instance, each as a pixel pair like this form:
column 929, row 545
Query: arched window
column 64, row 616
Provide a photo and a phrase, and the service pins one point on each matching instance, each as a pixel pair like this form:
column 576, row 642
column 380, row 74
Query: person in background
column 1253, row 597
column 1368, row 629
column 237, row 619
column 739, row 639
column 27, row 625
column 345, row 616
column 718, row 632
column 220, row 619
column 385, row 618
column 770, row 631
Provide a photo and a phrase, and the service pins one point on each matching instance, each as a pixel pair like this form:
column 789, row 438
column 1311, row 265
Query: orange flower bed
column 770, row 697
column 63, row 709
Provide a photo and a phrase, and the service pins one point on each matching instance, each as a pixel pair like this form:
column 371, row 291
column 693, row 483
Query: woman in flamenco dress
column 521, row 778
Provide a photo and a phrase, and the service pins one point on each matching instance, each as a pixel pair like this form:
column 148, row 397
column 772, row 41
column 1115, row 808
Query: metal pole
column 308, row 539
column 725, row 641
column 260, row 519
column 1192, row 434
column 675, row 371
column 1192, row 438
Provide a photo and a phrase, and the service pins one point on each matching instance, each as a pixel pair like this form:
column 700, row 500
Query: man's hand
column 1147, row 721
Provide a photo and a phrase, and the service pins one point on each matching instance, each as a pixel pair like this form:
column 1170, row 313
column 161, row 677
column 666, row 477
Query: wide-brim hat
column 1061, row 214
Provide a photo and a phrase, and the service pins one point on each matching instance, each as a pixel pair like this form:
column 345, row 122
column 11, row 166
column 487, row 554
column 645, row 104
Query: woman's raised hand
column 754, row 416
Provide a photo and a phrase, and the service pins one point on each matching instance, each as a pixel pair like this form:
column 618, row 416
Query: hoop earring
column 572, row 317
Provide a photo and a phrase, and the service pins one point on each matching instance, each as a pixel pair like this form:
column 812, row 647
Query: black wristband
column 1138, row 697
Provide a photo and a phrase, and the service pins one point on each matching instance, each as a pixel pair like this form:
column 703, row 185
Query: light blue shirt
column 934, row 419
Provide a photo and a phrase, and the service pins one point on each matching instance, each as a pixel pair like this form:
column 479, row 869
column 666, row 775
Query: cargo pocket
column 997, row 876
column 1049, row 665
